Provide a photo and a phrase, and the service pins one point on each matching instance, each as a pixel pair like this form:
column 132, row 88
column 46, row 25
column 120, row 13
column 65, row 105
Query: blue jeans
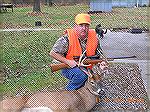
column 77, row 78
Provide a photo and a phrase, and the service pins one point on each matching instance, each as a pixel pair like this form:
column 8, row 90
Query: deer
column 80, row 100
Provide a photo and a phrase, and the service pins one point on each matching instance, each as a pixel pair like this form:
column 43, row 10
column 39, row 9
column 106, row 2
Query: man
column 73, row 43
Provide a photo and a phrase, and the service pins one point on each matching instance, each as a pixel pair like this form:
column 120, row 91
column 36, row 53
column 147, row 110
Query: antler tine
column 82, row 64
column 82, row 60
column 81, row 56
column 89, row 73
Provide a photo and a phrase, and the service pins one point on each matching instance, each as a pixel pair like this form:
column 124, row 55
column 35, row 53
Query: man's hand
column 71, row 63
column 61, row 58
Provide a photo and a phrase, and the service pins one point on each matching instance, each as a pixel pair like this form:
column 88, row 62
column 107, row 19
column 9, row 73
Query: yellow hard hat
column 82, row 18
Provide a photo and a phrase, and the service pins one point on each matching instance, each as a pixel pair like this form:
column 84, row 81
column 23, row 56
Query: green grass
column 25, row 61
column 63, row 17
column 24, row 55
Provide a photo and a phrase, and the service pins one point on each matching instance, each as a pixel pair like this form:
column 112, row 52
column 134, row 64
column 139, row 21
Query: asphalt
column 116, row 44
column 126, row 44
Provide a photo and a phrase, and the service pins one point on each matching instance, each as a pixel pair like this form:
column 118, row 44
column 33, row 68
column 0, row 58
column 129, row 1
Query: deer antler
column 81, row 60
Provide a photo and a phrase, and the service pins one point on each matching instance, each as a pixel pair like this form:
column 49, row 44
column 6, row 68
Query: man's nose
column 83, row 27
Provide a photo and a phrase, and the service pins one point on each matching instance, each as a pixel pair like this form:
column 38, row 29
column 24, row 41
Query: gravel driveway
column 117, row 44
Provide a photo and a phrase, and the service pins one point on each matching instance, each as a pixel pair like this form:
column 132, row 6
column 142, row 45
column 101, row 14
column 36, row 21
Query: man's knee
column 80, row 75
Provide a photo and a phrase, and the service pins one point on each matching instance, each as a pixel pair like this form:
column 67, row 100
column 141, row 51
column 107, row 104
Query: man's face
column 82, row 30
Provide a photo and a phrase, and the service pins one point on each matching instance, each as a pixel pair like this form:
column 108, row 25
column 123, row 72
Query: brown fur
column 58, row 101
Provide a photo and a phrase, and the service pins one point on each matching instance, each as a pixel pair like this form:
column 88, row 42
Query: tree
column 48, row 2
column 36, row 6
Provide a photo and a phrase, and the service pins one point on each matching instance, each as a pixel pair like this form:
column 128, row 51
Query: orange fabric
column 82, row 18
column 74, row 44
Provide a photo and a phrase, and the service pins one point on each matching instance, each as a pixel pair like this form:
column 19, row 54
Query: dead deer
column 81, row 100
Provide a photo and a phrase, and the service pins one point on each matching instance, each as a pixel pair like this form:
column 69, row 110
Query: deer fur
column 81, row 100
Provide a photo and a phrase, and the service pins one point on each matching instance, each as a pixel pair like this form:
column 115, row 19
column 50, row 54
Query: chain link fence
column 27, row 37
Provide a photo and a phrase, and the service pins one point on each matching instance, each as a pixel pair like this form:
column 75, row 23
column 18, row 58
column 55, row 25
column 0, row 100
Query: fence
column 25, row 46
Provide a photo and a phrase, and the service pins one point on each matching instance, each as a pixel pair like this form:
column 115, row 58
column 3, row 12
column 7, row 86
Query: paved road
column 126, row 44
column 29, row 29
column 123, row 44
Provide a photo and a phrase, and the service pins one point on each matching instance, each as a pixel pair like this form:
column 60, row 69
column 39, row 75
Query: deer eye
column 92, row 82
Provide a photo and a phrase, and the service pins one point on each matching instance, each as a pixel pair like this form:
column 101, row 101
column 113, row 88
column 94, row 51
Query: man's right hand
column 71, row 63
column 59, row 57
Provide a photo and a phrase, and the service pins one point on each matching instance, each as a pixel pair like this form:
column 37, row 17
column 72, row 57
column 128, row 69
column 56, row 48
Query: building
column 101, row 5
column 106, row 5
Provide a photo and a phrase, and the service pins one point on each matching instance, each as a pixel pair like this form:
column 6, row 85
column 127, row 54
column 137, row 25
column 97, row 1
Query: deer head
column 94, row 80
column 94, row 83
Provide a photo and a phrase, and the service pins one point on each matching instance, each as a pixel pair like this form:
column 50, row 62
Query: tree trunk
column 48, row 2
column 36, row 6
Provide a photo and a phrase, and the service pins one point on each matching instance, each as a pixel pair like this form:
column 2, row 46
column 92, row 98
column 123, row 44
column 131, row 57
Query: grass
column 63, row 17
column 24, row 55
column 25, row 61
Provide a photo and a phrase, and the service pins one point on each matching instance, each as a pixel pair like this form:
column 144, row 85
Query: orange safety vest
column 75, row 47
